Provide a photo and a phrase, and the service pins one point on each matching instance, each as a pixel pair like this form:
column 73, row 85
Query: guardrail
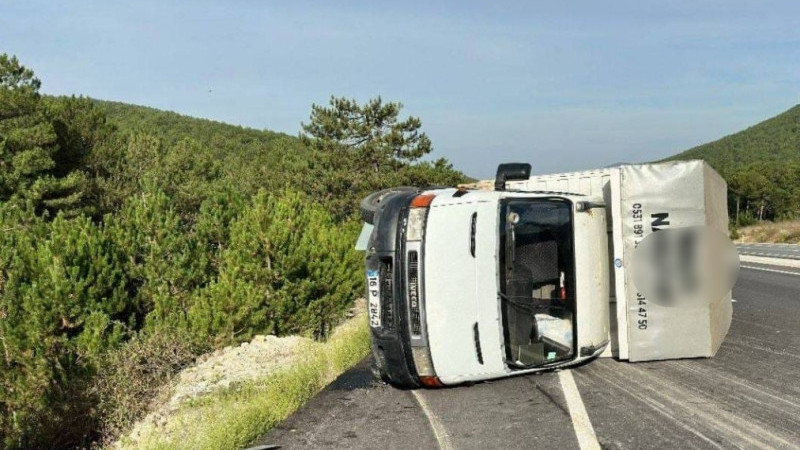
column 784, row 251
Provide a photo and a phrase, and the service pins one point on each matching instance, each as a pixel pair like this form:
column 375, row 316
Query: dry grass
column 233, row 418
column 771, row 232
column 131, row 378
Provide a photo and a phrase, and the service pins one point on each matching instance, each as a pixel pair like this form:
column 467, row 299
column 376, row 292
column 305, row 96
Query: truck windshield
column 537, row 281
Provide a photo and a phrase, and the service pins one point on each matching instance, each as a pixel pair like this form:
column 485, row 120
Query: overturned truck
column 525, row 274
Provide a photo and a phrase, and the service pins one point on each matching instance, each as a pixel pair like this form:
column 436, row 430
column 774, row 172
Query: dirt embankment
column 771, row 233
column 224, row 370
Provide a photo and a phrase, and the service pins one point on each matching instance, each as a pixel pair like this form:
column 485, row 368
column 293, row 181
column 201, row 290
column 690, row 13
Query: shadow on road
column 359, row 377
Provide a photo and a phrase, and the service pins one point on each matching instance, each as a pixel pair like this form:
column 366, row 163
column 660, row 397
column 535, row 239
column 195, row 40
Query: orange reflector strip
column 431, row 382
column 422, row 201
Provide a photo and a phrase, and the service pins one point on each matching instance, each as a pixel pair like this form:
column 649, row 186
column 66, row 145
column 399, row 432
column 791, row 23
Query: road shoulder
column 782, row 262
column 355, row 412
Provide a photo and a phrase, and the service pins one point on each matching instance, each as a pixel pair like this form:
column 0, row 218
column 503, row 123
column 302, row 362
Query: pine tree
column 362, row 148
column 370, row 133
column 29, row 174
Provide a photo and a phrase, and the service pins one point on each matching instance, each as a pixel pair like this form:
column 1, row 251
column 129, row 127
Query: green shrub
column 63, row 303
column 733, row 232
column 165, row 262
column 131, row 377
column 287, row 268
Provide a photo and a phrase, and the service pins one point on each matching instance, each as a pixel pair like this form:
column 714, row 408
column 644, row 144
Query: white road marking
column 771, row 270
column 780, row 251
column 438, row 429
column 577, row 412
column 733, row 301
column 788, row 255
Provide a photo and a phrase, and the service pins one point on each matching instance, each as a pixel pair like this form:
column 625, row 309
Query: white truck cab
column 471, row 285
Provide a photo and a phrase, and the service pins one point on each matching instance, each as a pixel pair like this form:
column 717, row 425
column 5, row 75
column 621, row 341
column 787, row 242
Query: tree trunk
column 738, row 198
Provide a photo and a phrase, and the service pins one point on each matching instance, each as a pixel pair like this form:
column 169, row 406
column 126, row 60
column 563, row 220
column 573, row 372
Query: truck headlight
column 415, row 227
column 416, row 224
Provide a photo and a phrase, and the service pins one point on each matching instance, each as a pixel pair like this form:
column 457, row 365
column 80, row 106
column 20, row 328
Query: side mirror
column 511, row 172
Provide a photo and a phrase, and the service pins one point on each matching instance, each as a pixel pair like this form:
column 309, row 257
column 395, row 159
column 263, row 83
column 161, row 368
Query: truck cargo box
column 641, row 199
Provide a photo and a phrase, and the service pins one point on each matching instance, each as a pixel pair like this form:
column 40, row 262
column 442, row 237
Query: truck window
column 537, row 281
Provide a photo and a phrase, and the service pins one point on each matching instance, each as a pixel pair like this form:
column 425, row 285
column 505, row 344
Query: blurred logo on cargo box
column 691, row 266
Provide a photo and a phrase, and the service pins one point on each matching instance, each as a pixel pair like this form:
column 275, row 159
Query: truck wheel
column 370, row 204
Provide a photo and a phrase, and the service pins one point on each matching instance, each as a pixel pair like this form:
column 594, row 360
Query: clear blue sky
column 562, row 85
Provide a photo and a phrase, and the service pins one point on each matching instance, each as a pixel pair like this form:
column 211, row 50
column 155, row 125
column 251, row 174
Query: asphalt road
column 747, row 396
column 787, row 251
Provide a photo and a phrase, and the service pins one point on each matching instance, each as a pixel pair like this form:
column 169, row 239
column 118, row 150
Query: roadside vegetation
column 134, row 240
column 771, row 232
column 234, row 417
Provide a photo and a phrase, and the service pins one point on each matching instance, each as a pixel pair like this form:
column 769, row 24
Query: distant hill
column 253, row 159
column 218, row 153
column 762, row 167
column 171, row 127
column 774, row 140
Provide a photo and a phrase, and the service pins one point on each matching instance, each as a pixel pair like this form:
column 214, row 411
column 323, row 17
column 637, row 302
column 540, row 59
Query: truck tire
column 370, row 204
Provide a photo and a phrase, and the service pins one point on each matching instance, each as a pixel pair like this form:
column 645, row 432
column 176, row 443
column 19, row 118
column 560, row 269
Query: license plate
column 374, row 298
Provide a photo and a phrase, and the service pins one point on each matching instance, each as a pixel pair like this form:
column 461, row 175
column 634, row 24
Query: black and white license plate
column 374, row 298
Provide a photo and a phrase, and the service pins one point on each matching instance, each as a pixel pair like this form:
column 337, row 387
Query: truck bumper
column 391, row 346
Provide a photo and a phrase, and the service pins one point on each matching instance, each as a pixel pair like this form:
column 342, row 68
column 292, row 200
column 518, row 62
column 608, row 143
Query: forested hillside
column 774, row 140
column 128, row 230
column 762, row 167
